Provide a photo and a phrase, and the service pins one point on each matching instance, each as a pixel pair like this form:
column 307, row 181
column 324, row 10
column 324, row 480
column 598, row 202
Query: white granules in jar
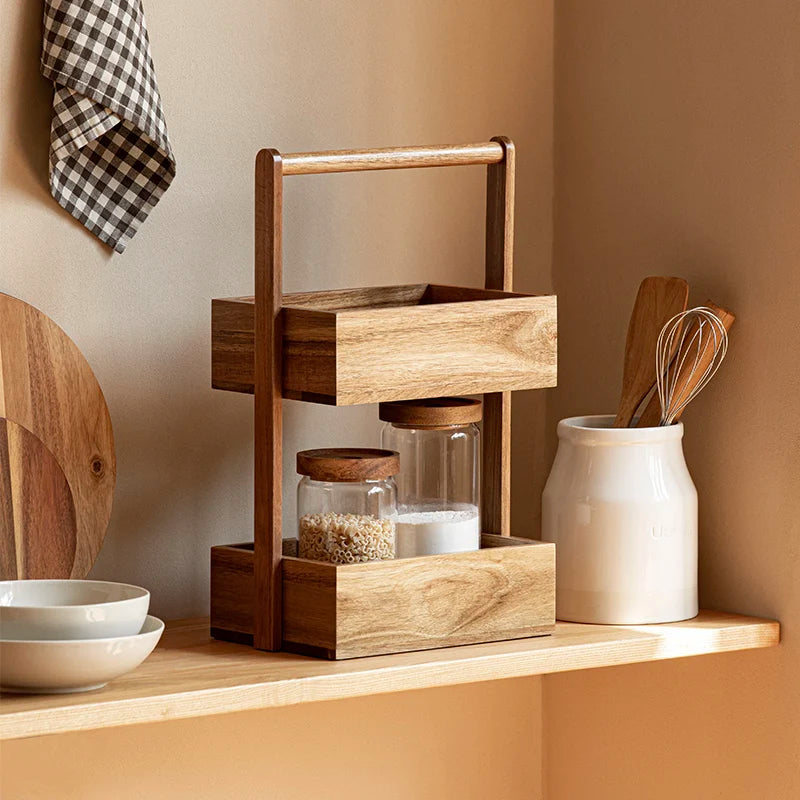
column 345, row 538
column 426, row 533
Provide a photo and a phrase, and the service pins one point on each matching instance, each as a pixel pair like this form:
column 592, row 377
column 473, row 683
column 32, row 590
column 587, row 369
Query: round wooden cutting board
column 57, row 464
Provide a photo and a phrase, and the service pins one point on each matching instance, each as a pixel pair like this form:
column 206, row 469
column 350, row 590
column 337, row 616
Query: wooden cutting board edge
column 48, row 388
column 35, row 497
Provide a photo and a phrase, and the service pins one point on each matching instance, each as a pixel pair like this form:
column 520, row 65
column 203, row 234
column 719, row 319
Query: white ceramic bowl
column 58, row 667
column 70, row 609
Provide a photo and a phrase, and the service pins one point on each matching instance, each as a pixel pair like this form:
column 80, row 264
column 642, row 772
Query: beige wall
column 236, row 76
column 678, row 151
column 468, row 742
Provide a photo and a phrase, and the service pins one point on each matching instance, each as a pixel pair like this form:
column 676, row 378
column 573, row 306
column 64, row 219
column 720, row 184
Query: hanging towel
column 110, row 157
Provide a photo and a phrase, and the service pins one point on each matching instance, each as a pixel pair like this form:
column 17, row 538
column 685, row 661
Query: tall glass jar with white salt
column 438, row 486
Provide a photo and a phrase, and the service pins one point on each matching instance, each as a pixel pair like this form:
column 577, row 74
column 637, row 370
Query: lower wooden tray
column 505, row 590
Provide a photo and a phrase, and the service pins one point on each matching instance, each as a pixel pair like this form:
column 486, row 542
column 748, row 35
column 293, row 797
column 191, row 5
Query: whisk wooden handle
column 689, row 375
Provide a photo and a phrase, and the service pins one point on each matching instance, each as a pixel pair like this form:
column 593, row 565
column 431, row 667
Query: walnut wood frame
column 271, row 167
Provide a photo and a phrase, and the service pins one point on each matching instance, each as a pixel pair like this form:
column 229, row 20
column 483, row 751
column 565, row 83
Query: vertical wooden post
column 268, row 445
column 496, row 466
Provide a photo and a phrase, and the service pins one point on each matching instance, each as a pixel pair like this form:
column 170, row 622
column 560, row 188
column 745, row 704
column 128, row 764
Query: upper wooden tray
column 353, row 346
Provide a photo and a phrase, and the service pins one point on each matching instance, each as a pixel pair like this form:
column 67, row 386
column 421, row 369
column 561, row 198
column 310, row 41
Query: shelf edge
column 514, row 660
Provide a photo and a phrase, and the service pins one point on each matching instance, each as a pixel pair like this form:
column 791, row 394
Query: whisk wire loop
column 695, row 339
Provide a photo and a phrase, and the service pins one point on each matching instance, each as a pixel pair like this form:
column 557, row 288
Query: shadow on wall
column 179, row 452
column 25, row 165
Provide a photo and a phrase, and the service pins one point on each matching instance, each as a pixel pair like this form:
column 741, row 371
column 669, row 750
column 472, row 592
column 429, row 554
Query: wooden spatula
column 657, row 301
column 691, row 371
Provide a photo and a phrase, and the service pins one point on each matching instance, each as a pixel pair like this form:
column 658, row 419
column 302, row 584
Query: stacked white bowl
column 72, row 635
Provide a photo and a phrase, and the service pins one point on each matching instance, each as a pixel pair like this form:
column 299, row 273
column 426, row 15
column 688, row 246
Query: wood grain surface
column 37, row 508
column 434, row 412
column 340, row 464
column 233, row 592
column 499, row 269
column 436, row 350
column 268, row 406
column 443, row 345
column 48, row 390
column 657, row 301
column 454, row 599
column 445, row 155
column 505, row 590
column 192, row 675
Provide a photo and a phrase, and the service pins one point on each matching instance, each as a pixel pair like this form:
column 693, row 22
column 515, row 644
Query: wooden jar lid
column 348, row 464
column 433, row 412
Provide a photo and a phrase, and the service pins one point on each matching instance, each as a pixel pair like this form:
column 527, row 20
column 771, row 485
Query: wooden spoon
column 658, row 300
column 689, row 374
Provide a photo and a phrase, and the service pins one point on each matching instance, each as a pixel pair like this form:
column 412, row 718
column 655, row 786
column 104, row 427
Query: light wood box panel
column 353, row 346
column 505, row 590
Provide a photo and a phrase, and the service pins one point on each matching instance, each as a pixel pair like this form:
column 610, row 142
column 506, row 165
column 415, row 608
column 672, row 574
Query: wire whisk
column 699, row 340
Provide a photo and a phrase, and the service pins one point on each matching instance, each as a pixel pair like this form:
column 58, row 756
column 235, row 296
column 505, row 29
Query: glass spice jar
column 347, row 504
column 438, row 486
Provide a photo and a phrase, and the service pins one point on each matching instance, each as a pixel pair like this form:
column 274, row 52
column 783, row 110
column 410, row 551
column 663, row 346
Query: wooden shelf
column 191, row 675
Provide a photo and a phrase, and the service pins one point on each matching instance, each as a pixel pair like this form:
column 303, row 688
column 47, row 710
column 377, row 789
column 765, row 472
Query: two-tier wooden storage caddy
column 379, row 344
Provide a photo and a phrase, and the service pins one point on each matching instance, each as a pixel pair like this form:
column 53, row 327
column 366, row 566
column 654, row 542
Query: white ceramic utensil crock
column 621, row 508
column 70, row 609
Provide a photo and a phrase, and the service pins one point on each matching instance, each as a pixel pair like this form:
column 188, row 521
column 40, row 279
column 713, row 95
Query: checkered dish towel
column 110, row 158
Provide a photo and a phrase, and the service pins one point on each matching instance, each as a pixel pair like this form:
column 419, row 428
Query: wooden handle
column 444, row 155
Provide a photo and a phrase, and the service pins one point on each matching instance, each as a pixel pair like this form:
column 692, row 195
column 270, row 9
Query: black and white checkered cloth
column 110, row 157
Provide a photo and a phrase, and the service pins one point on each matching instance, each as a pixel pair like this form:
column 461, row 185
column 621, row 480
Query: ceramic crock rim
column 577, row 429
